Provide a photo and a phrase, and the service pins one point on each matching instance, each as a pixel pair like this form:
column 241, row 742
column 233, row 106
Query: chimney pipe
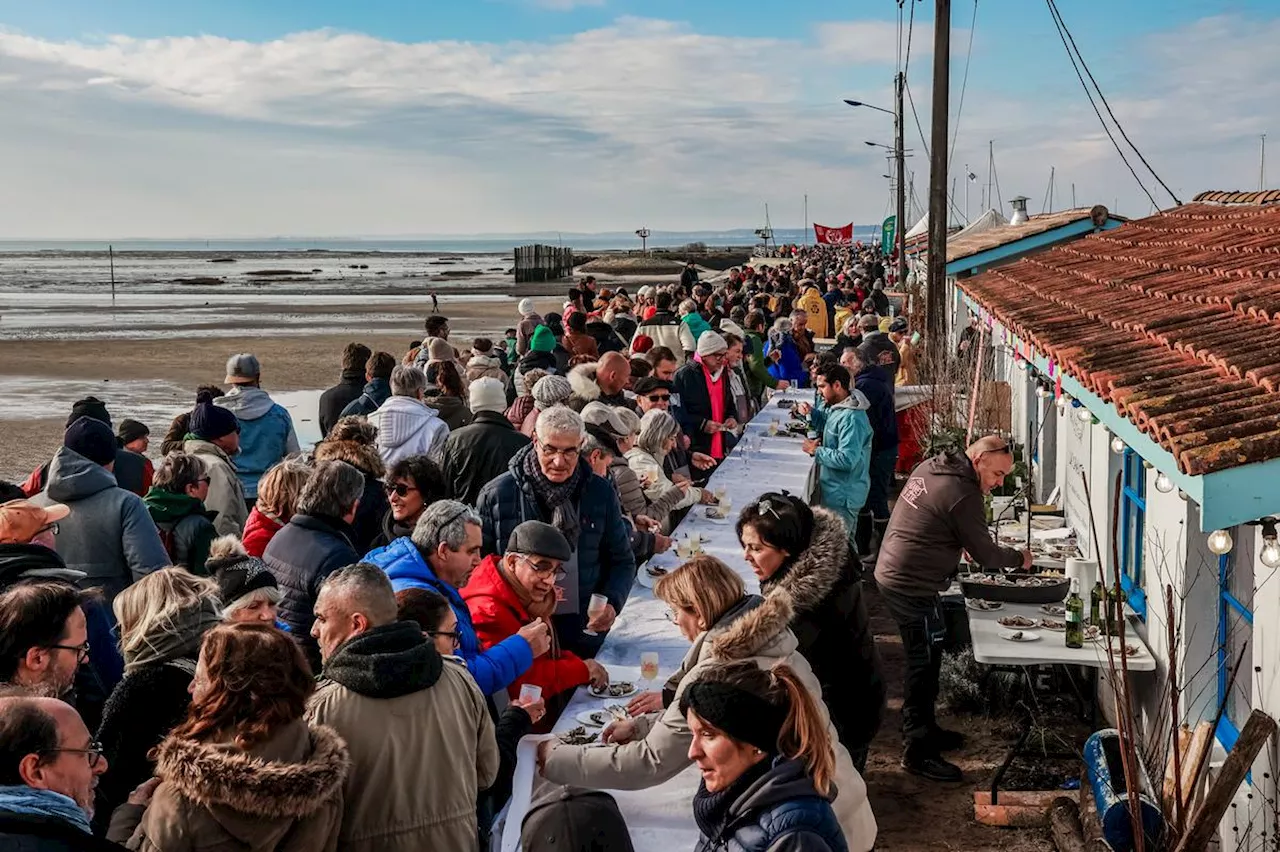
column 1020, row 216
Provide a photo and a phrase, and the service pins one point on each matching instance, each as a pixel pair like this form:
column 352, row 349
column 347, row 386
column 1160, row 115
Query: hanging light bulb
column 1043, row 391
column 1220, row 542
column 1117, row 445
column 1083, row 415
column 1163, row 483
column 1022, row 365
column 1270, row 555
column 1184, row 495
column 1063, row 402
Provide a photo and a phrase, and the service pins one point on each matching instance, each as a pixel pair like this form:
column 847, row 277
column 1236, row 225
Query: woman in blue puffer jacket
column 786, row 364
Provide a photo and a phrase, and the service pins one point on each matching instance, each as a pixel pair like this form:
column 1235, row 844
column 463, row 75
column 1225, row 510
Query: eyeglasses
column 566, row 453
column 659, row 397
column 399, row 489
column 454, row 636
column 82, row 651
column 48, row 528
column 92, row 753
column 543, row 570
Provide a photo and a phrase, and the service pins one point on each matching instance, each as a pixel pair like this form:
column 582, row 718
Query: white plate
column 591, row 690
column 646, row 579
column 586, row 718
column 1027, row 635
column 1045, row 626
column 991, row 606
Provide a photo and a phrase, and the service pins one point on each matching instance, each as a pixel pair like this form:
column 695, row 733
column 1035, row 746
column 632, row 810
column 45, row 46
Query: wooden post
column 111, row 258
column 1173, row 708
column 1064, row 823
column 936, row 294
column 1204, row 824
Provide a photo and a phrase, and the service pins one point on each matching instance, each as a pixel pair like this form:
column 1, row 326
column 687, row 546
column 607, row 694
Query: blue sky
column 458, row 116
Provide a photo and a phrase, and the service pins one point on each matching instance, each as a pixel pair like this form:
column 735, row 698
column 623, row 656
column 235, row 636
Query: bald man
column 612, row 374
column 940, row 513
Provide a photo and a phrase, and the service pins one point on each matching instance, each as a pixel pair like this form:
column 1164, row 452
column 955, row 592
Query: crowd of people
column 243, row 645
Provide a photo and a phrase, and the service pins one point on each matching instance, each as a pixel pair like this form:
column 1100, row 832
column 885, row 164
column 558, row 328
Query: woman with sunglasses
column 712, row 609
column 244, row 770
column 413, row 484
column 175, row 502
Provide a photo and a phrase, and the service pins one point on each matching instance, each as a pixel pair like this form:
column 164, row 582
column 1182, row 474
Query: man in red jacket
column 506, row 593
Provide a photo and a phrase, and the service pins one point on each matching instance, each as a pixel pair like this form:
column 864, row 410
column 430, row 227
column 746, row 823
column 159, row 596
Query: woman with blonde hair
column 711, row 608
column 244, row 770
column 163, row 618
column 278, row 492
column 766, row 760
column 658, row 435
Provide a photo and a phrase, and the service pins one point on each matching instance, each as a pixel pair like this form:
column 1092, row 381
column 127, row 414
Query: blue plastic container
column 1105, row 771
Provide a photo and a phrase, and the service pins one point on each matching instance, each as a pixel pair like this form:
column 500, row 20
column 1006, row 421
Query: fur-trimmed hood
column 755, row 627
column 808, row 581
column 582, row 379
column 288, row 777
column 362, row 457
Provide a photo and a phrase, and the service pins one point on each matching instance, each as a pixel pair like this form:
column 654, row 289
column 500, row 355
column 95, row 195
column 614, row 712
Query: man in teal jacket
column 844, row 452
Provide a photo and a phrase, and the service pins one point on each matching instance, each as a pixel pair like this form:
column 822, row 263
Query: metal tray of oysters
column 1016, row 588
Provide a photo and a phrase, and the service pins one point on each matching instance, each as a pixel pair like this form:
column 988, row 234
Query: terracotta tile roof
column 972, row 244
column 1174, row 319
column 1270, row 196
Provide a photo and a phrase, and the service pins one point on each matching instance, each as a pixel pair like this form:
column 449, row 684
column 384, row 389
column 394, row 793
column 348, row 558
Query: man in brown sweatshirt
column 940, row 513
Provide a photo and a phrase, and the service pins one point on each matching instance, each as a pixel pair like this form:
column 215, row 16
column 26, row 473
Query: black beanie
column 239, row 578
column 743, row 715
column 92, row 439
column 90, row 406
column 131, row 430
column 210, row 422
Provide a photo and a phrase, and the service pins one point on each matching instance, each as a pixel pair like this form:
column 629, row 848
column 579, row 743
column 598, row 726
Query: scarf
column 555, row 499
column 176, row 639
column 715, row 390
column 30, row 801
column 711, row 810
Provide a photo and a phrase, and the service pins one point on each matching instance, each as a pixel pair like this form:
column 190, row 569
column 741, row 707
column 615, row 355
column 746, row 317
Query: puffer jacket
column 226, row 490
column 367, row 525
column 789, row 366
column 476, row 454
column 495, row 666
column 490, row 367
column 282, row 795
column 755, row 629
column 606, row 564
column 664, row 496
column 830, row 622
column 109, row 534
column 376, row 392
column 407, row 427
column 775, row 810
column 185, row 525
column 266, row 433
column 259, row 530
column 300, row 556
column 844, row 459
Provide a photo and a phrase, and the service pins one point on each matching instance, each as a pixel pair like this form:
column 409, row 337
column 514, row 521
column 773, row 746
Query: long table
column 661, row 818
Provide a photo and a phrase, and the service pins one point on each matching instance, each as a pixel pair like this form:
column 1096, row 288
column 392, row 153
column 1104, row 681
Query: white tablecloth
column 661, row 818
column 1050, row 648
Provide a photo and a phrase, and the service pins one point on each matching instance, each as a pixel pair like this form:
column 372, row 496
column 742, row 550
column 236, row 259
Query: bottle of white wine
column 1075, row 616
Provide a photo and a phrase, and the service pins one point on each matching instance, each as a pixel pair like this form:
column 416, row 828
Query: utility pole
column 936, row 295
column 806, row 220
column 899, row 156
column 111, row 259
column 1262, row 166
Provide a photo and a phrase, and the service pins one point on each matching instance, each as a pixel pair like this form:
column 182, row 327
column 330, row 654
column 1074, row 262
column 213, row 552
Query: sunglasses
column 399, row 489
column 659, row 397
column 49, row 528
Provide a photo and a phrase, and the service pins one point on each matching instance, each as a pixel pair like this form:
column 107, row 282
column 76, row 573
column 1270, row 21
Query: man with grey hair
column 440, row 555
column 405, row 712
column 317, row 541
column 552, row 482
column 407, row 426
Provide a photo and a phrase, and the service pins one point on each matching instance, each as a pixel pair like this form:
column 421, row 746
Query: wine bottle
column 1097, row 603
column 1075, row 616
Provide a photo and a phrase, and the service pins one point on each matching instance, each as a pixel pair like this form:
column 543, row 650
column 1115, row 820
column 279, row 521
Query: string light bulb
column 1063, row 402
column 1184, row 496
column 1083, row 415
column 1220, row 542
column 1163, row 483
column 1022, row 365
column 1043, row 391
column 1117, row 445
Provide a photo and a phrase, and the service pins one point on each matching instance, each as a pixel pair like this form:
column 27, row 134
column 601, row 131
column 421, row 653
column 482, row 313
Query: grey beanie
column 551, row 390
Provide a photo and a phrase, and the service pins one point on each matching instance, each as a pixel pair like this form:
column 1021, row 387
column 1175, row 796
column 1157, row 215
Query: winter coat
column 109, row 534
column 452, row 410
column 664, row 496
column 133, row 471
column 877, row 386
column 606, row 565
column 755, row 367
column 226, row 490
column 25, row 832
column 375, row 393
column 185, row 525
column 282, row 795
column 491, row 367
column 407, row 427
column 266, row 433
column 300, row 557
column 692, row 327
column 812, row 303
column 521, row 408
column 259, row 530
column 790, row 366
column 829, row 620
column 581, row 344
column 535, row 361
column 844, row 458
column 498, row 616
column 493, row 667
column 524, row 331
column 694, row 411
column 941, row 512
column 879, row 351
column 907, row 368
column 142, row 710
column 624, row 326
column 373, row 502
column 778, row 812
column 476, row 454
column 420, row 738
column 754, row 629
column 663, row 328
column 338, row 397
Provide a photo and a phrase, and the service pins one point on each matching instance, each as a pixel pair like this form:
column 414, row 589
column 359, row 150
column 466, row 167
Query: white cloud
column 565, row 5
column 866, row 42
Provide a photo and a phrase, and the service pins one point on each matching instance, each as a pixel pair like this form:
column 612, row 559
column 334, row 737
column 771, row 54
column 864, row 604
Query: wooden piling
column 542, row 263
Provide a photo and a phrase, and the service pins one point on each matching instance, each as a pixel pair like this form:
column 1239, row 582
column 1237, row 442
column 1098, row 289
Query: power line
column 964, row 83
column 924, row 142
column 1053, row 11
column 911, row 25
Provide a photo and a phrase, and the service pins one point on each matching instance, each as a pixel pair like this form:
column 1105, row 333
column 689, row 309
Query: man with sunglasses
column 940, row 514
column 49, row 767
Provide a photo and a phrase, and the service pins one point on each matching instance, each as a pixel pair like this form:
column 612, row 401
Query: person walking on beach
column 435, row 303
column 266, row 429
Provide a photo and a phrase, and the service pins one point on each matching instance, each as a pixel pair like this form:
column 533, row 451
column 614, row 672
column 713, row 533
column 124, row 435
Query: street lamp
column 868, row 106
column 643, row 234
column 899, row 156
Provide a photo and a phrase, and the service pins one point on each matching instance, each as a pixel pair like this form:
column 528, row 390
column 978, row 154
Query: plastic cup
column 594, row 608
column 530, row 692
column 719, row 494
column 649, row 665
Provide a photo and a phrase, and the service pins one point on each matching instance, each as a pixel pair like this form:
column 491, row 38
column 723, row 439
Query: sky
column 260, row 118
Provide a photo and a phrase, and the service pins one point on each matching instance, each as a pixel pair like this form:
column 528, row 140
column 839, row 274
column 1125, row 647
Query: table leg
column 1008, row 760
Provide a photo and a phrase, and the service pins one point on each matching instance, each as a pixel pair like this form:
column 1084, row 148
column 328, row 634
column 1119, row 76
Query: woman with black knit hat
column 766, row 760
column 213, row 434
column 247, row 587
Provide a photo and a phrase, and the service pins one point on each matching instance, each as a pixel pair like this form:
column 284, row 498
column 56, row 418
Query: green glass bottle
column 1097, row 603
column 1075, row 616
column 1115, row 612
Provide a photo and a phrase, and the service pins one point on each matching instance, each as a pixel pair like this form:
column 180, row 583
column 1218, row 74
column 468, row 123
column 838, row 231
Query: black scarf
column 386, row 662
column 557, row 500
column 711, row 810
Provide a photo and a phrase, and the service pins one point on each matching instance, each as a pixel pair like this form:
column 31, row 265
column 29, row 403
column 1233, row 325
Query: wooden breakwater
column 543, row 263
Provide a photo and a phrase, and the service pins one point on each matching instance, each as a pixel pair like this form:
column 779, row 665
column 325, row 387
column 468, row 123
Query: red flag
column 833, row 236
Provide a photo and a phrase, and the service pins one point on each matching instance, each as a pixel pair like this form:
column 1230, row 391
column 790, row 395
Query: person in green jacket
column 176, row 503
column 843, row 452
column 755, row 365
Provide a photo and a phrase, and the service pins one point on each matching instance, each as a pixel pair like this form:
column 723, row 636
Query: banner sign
column 888, row 233
column 833, row 236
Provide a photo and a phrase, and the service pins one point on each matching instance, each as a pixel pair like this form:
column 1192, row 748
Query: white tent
column 985, row 222
column 920, row 228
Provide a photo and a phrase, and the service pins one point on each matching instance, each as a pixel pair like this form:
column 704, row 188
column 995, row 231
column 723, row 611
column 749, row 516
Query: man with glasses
column 940, row 513
column 43, row 636
column 49, row 767
column 551, row 482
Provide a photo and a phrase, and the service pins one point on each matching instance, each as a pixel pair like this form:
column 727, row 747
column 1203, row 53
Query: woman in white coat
column 658, row 435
